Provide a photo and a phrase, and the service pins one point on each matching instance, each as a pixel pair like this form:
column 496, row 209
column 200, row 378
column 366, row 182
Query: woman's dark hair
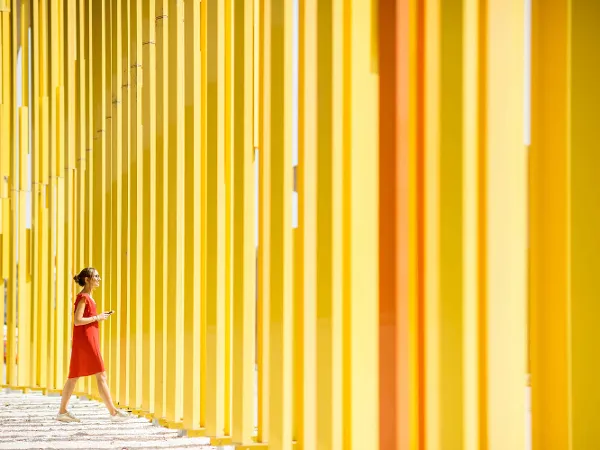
column 88, row 272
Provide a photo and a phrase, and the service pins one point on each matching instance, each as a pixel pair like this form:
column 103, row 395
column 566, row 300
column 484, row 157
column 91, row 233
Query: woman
column 85, row 356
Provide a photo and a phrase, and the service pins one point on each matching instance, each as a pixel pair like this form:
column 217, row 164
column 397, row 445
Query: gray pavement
column 27, row 421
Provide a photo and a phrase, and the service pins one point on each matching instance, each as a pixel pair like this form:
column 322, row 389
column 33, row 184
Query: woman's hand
column 102, row 316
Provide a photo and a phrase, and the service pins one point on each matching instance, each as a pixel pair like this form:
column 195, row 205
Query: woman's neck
column 86, row 290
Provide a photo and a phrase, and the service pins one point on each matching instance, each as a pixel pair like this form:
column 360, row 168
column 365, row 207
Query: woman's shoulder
column 82, row 295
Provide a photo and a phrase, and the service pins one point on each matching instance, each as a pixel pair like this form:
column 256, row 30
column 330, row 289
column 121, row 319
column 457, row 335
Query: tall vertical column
column 176, row 214
column 278, row 151
column 42, row 240
column 137, row 217
column 12, row 212
column 506, row 225
column 35, row 192
column 305, row 239
column 583, row 163
column 70, row 174
column 550, row 254
column 215, row 215
column 149, row 197
column 162, row 167
column 192, row 273
column 443, row 233
column 23, row 285
column 124, row 177
column 228, row 166
column 97, row 227
column 362, row 221
column 244, row 253
column 264, row 237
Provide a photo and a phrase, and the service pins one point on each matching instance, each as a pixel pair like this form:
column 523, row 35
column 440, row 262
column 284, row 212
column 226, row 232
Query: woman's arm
column 80, row 320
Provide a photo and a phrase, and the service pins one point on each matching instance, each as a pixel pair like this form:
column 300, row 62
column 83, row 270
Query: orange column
column 398, row 269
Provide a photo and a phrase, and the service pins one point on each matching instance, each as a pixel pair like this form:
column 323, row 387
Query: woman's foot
column 119, row 416
column 67, row 417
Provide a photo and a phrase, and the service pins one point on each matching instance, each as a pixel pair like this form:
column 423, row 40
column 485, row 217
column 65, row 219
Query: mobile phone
column 110, row 312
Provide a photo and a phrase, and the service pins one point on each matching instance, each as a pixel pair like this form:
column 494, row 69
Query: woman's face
column 94, row 281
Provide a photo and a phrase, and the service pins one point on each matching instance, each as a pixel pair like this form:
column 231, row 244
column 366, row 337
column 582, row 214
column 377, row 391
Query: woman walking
column 85, row 357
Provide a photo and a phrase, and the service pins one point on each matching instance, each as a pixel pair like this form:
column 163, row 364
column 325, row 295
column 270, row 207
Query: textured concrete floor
column 28, row 421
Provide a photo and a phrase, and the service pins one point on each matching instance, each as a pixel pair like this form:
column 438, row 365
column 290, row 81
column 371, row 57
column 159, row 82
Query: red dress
column 85, row 356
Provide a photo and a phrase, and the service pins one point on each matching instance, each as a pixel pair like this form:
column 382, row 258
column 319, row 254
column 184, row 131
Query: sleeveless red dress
column 85, row 355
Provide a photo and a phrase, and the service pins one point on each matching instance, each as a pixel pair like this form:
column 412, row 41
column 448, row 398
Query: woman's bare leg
column 66, row 394
column 105, row 393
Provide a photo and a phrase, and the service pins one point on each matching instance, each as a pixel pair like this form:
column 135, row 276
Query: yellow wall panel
column 176, row 212
column 549, row 218
column 264, row 226
column 149, row 258
column 136, row 210
column 162, row 165
column 192, row 325
column 305, row 250
column 506, row 227
column 117, row 301
column 278, row 151
column 215, row 210
column 125, row 178
column 244, row 253
column 362, row 253
column 584, row 160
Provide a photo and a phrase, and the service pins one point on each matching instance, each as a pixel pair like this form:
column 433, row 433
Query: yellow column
column 278, row 151
column 584, row 160
column 3, row 168
column 175, row 227
column 443, row 228
column 25, row 16
column 35, row 195
column 97, row 186
column 305, row 251
column 329, row 163
column 27, row 319
column 149, row 257
column 506, row 214
column 550, row 254
column 228, row 162
column 123, row 175
column 473, row 232
column 52, row 186
column 5, row 105
column 87, row 253
column 363, row 428
column 338, row 137
column 264, row 236
column 90, row 25
column 62, row 303
column 137, row 217
column 109, row 128
column 10, row 58
column 203, row 207
column 244, row 263
column 215, row 214
column 70, row 174
column 24, row 316
column 43, row 239
column 192, row 274
column 162, row 165
column 79, row 173
column 117, row 302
